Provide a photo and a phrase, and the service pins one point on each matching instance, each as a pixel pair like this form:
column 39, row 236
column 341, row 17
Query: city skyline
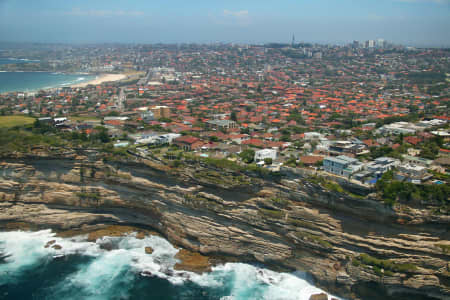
column 407, row 22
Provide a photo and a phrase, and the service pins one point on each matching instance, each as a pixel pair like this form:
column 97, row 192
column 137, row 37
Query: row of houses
column 411, row 169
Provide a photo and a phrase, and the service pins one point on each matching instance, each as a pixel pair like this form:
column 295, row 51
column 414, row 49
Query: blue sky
column 411, row 22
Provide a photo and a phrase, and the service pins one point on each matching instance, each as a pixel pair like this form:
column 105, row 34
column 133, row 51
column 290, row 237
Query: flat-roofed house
column 262, row 154
column 342, row 165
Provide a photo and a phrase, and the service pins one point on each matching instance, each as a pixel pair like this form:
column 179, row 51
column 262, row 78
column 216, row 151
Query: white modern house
column 261, row 155
column 313, row 136
column 382, row 164
column 342, row 165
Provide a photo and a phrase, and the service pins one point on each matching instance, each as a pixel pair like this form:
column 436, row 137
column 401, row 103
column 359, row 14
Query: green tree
column 247, row 155
column 233, row 116
column 268, row 161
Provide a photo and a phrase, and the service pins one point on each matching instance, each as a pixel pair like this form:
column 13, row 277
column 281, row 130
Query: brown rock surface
column 321, row 296
column 140, row 235
column 192, row 261
column 112, row 230
column 148, row 250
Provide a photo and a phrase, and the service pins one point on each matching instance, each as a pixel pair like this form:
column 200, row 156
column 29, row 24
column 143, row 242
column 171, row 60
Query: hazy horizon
column 422, row 23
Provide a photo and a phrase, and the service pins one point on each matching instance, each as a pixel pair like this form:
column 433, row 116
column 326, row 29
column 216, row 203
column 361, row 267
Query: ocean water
column 83, row 270
column 32, row 81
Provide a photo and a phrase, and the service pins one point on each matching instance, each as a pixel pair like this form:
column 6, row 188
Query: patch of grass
column 332, row 186
column 202, row 202
column 300, row 223
column 276, row 214
column 279, row 202
column 12, row 121
column 387, row 265
column 315, row 238
column 356, row 262
column 218, row 178
column 445, row 248
column 84, row 118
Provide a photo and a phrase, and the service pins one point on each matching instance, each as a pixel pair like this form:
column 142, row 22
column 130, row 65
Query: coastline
column 102, row 78
column 97, row 80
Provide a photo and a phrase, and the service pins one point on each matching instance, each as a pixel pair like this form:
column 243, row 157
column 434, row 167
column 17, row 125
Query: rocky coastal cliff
column 351, row 245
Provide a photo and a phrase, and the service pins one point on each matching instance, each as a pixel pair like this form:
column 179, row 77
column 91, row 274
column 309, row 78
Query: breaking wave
column 119, row 268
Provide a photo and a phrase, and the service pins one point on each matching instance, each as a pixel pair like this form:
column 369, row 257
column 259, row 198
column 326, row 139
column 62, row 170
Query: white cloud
column 236, row 14
column 102, row 13
column 240, row 18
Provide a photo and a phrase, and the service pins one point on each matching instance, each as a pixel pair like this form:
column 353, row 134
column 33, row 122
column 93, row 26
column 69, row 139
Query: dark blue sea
column 85, row 270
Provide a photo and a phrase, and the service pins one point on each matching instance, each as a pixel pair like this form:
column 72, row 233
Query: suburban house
column 188, row 143
column 381, row 165
column 348, row 147
column 412, row 173
column 261, row 155
column 417, row 160
column 375, row 169
column 342, row 165
column 310, row 160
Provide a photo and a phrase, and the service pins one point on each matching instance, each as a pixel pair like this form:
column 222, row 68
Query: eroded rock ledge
column 346, row 243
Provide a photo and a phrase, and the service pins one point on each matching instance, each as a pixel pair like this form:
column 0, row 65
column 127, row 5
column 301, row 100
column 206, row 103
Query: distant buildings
column 221, row 124
column 399, row 128
column 313, row 136
column 160, row 111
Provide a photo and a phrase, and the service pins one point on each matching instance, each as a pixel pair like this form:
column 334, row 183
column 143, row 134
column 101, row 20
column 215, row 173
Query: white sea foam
column 109, row 272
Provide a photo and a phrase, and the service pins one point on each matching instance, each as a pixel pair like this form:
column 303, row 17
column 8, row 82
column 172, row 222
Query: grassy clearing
column 84, row 118
column 12, row 121
column 388, row 266
column 275, row 214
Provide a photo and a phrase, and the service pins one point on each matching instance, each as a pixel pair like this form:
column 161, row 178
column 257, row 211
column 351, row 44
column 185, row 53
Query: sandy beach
column 101, row 79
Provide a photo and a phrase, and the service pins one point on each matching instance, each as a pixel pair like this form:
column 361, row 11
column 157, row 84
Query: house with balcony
column 412, row 173
column 262, row 154
column 342, row 165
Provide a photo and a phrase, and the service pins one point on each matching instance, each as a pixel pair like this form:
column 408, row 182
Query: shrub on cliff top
column 389, row 265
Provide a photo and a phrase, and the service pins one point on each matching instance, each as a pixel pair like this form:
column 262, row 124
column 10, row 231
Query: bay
column 32, row 81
